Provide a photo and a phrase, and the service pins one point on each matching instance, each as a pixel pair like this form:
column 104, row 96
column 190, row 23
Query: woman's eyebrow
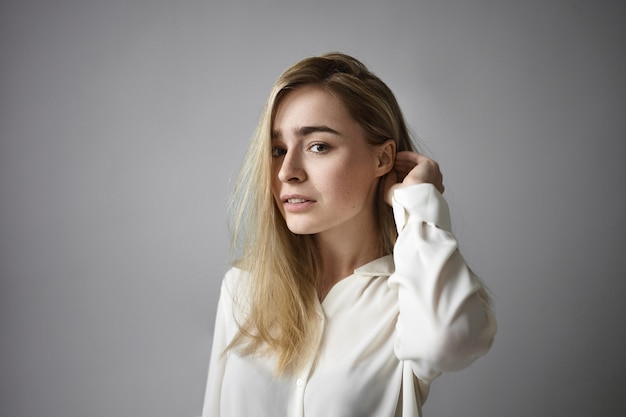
column 307, row 130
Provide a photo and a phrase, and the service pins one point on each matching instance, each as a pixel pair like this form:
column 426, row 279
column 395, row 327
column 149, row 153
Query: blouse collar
column 383, row 266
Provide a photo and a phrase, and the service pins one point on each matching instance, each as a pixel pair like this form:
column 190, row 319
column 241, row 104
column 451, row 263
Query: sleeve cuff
column 420, row 203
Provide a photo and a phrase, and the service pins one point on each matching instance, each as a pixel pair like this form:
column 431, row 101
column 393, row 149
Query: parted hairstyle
column 277, row 297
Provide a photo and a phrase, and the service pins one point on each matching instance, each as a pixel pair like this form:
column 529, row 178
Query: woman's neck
column 341, row 253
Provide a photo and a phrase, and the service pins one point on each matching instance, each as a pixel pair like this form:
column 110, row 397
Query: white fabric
column 419, row 309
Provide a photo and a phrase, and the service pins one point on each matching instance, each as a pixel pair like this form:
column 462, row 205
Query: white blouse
column 419, row 309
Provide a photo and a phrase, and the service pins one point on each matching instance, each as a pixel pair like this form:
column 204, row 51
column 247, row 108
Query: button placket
column 301, row 381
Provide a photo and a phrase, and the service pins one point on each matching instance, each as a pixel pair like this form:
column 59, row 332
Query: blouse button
column 299, row 382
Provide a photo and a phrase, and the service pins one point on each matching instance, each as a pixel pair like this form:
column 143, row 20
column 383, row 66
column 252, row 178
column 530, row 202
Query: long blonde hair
column 278, row 300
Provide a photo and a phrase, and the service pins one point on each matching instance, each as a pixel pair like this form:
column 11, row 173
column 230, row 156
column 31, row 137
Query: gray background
column 122, row 124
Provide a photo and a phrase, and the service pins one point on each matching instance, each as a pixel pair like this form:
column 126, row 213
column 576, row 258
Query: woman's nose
column 291, row 169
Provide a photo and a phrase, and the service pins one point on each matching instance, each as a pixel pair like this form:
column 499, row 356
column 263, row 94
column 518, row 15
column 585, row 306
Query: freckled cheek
column 347, row 193
column 275, row 182
column 345, row 183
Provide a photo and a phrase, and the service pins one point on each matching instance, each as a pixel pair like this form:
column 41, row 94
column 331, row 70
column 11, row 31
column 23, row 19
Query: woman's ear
column 386, row 154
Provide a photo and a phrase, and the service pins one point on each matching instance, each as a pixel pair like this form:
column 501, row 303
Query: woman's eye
column 277, row 152
column 319, row 148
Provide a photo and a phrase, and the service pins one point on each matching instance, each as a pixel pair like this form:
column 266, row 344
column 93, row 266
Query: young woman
column 350, row 295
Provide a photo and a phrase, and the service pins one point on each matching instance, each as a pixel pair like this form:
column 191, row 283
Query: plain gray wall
column 122, row 124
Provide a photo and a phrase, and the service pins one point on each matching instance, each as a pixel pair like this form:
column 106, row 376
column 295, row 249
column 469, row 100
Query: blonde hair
column 279, row 291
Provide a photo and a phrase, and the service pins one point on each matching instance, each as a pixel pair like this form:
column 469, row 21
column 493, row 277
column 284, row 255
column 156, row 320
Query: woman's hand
column 412, row 168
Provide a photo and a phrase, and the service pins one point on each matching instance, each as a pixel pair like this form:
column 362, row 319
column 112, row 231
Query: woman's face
column 324, row 171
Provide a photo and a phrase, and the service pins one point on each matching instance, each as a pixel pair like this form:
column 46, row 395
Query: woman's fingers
column 414, row 168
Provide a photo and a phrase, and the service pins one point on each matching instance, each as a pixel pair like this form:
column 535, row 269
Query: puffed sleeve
column 217, row 362
column 444, row 320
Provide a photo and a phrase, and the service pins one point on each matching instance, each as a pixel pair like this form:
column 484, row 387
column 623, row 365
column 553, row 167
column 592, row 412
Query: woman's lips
column 296, row 203
column 296, row 200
